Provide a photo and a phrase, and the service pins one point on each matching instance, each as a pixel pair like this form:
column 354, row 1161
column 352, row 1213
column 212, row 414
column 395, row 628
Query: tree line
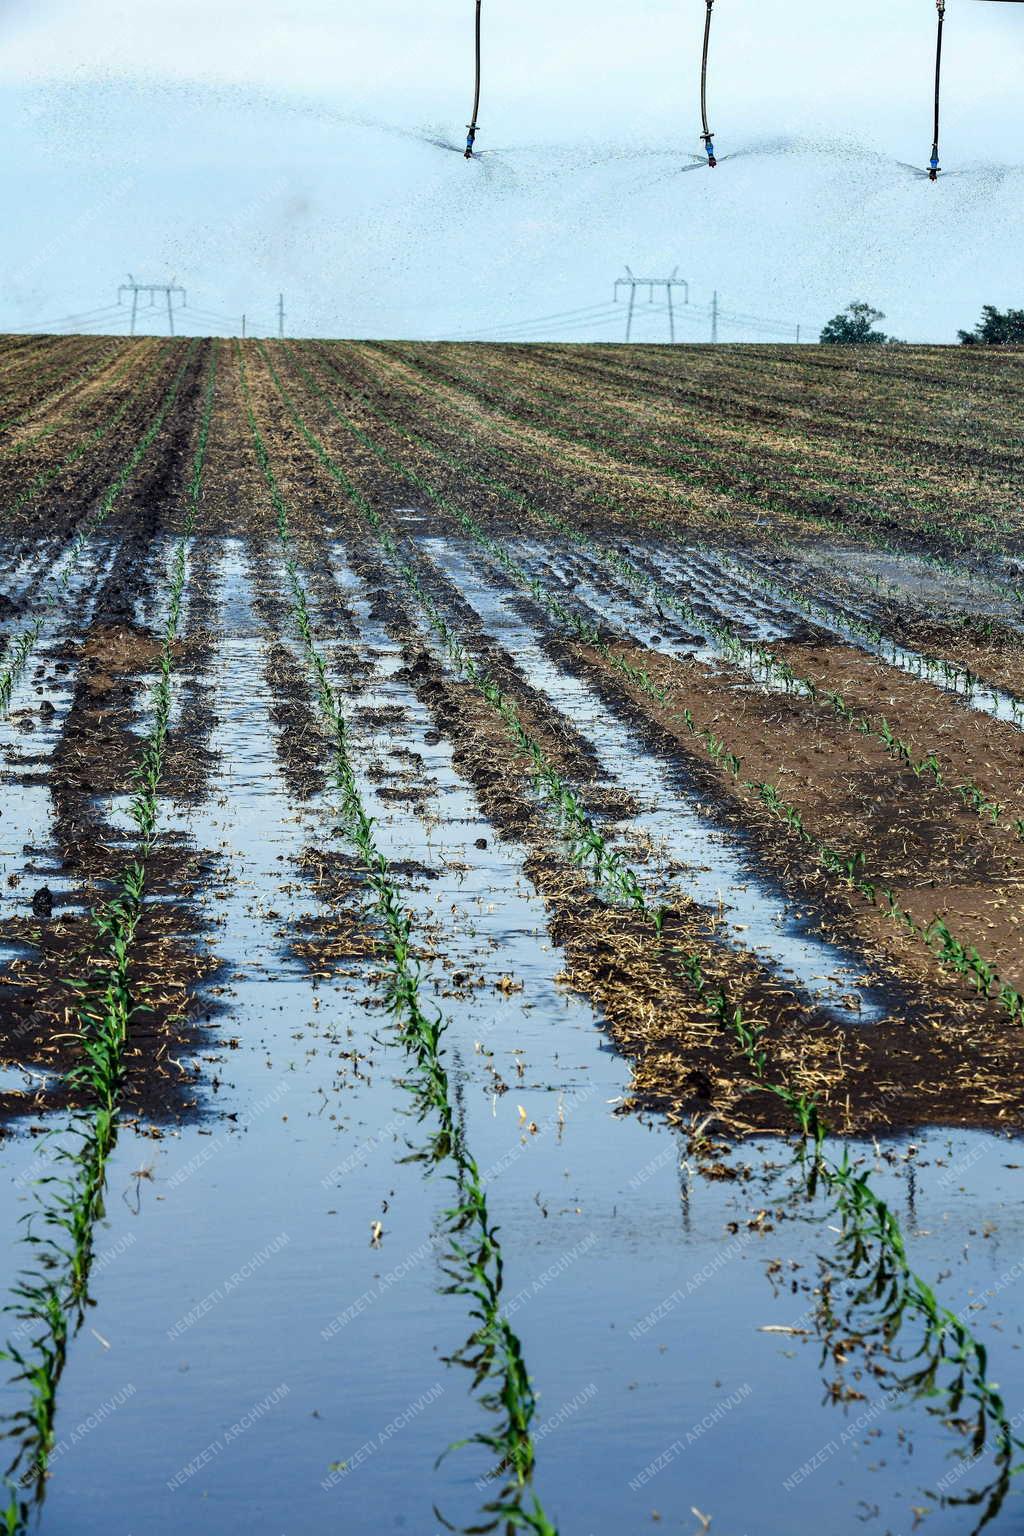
column 857, row 325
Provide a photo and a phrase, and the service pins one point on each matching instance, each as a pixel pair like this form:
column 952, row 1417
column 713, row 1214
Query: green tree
column 996, row 328
column 854, row 327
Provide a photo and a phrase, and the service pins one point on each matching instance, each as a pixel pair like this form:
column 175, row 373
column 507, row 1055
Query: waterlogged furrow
column 52, row 1296
column 955, row 1365
column 858, row 630
column 949, row 950
column 692, row 849
column 34, row 723
column 633, row 565
column 475, row 1255
column 24, row 643
column 726, row 609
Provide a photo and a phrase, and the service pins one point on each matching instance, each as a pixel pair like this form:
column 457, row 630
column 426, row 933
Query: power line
column 529, row 328
column 515, row 325
column 99, row 325
column 710, row 317
column 83, row 317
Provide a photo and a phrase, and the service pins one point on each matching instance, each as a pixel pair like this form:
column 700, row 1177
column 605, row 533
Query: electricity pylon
column 668, row 283
column 134, row 288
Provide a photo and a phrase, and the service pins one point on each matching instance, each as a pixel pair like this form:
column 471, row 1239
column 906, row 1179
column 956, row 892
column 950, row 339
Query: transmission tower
column 167, row 289
column 650, row 283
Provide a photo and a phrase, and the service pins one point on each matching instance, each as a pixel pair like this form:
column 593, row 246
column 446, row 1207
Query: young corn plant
column 25, row 643
column 50, row 1299
column 753, row 491
column 473, row 1263
column 848, row 867
column 753, row 656
column 867, row 1224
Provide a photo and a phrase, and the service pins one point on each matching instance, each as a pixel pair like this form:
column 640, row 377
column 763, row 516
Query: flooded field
column 512, row 991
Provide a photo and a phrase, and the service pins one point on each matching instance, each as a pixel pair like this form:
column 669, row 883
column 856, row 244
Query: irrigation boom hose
column 706, row 135
column 472, row 124
column 933, row 167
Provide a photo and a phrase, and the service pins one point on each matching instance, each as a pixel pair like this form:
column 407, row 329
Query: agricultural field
column 512, row 984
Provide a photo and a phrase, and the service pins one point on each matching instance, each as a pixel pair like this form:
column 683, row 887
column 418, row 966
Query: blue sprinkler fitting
column 933, row 168
column 470, row 141
column 709, row 146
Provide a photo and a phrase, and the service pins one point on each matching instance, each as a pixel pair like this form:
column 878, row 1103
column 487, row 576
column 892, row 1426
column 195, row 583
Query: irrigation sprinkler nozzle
column 710, row 149
column 470, row 140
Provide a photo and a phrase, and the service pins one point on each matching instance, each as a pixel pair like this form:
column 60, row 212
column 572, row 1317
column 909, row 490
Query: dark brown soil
column 606, row 440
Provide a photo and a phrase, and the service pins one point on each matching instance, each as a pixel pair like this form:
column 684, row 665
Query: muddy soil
column 277, row 1284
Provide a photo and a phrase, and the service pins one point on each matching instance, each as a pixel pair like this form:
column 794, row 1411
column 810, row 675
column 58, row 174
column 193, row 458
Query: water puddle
column 715, row 590
column 947, row 676
column 688, row 847
column 888, row 575
column 257, row 1343
column 29, row 735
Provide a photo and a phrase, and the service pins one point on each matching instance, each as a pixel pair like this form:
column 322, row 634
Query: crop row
column 96, row 435
column 29, row 442
column 870, row 1234
column 848, row 867
column 767, row 485
column 474, row 1263
column 24, row 642
column 68, row 382
column 878, row 386
column 22, row 372
column 790, row 400
column 755, row 657
column 744, row 452
column 52, row 1296
column 765, row 500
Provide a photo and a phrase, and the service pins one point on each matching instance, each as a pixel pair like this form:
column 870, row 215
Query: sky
column 251, row 149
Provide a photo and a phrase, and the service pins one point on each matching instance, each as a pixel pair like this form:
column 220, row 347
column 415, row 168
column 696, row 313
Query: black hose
column 706, row 135
column 704, row 72
column 941, row 7
column 476, row 94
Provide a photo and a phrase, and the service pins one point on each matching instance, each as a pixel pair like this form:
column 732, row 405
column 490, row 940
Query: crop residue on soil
column 511, row 987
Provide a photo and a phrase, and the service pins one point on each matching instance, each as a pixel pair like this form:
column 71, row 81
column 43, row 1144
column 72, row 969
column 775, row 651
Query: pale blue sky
column 250, row 148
